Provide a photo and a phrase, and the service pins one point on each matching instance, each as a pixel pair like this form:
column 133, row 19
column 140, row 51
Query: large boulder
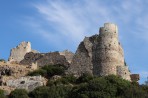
column 29, row 83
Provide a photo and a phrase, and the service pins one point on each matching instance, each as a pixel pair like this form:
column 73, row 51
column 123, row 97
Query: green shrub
column 135, row 92
column 19, row 93
column 49, row 71
column 60, row 91
column 38, row 72
column 84, row 78
column 88, row 86
column 70, row 78
column 99, row 87
column 2, row 94
column 119, row 83
column 40, row 92
column 2, row 60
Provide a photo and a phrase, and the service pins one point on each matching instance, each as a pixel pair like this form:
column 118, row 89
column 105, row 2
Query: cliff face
column 82, row 60
column 100, row 55
column 68, row 55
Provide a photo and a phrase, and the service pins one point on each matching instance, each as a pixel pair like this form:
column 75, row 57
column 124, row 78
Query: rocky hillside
column 98, row 55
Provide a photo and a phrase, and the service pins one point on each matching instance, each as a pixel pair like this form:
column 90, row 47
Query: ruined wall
column 101, row 54
column 17, row 54
column 42, row 59
column 123, row 72
column 82, row 60
column 68, row 55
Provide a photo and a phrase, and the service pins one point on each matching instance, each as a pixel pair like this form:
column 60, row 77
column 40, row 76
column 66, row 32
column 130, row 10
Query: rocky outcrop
column 28, row 83
column 12, row 71
column 100, row 55
column 17, row 54
column 6, row 70
column 82, row 60
column 42, row 59
column 68, row 55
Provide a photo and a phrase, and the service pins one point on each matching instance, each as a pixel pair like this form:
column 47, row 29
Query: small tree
column 19, row 93
column 2, row 94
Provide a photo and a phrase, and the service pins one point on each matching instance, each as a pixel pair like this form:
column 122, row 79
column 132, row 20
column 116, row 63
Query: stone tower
column 100, row 54
column 108, row 53
column 17, row 54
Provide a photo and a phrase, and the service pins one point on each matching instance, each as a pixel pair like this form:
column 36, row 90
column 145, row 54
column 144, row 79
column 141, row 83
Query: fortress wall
column 82, row 60
column 68, row 55
column 42, row 59
column 101, row 56
column 17, row 54
column 123, row 72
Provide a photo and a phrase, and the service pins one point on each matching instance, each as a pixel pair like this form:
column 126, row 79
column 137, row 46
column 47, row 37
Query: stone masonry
column 68, row 55
column 42, row 59
column 82, row 60
column 17, row 54
column 100, row 55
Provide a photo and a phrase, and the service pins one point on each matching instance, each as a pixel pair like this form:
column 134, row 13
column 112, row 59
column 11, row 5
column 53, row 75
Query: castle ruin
column 17, row 54
column 100, row 55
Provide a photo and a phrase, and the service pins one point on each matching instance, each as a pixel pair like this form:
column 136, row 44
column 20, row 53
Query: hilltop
column 100, row 55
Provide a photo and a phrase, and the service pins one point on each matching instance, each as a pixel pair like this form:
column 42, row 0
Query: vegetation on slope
column 86, row 86
column 49, row 70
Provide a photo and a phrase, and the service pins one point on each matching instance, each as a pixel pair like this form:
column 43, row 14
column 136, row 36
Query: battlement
column 23, row 45
column 109, row 27
column 17, row 54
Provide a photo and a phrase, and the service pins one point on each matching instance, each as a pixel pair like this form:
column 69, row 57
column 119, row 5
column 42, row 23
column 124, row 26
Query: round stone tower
column 108, row 52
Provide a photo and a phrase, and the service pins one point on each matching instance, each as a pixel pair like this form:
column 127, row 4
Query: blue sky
column 56, row 25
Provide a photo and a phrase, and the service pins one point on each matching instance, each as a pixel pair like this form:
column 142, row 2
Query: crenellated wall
column 17, row 54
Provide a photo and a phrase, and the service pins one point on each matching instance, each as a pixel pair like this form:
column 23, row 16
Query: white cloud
column 74, row 20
